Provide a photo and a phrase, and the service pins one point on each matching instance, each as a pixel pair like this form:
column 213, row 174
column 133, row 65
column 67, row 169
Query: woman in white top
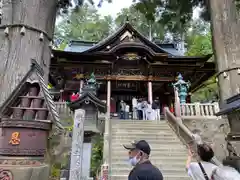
column 150, row 115
column 226, row 173
column 205, row 155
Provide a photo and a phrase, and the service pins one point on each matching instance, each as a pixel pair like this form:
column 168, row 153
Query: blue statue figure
column 182, row 88
column 91, row 85
column 92, row 81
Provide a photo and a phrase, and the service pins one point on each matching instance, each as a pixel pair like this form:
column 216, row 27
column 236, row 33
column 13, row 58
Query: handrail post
column 197, row 109
column 216, row 107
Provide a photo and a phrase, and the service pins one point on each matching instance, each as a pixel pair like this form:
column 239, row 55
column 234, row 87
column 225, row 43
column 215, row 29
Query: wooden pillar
column 81, row 86
column 77, row 145
column 108, row 98
column 150, row 95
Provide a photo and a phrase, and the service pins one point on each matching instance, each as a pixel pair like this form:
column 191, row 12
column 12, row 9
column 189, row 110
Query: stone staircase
column 168, row 152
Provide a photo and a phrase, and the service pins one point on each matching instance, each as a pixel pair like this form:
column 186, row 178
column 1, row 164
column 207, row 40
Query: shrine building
column 126, row 65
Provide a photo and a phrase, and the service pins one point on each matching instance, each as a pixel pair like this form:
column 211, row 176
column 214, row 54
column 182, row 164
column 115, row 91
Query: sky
column 113, row 8
column 116, row 6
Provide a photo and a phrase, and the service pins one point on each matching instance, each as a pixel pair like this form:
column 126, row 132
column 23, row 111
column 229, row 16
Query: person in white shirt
column 122, row 109
column 205, row 155
column 139, row 110
column 144, row 109
column 226, row 173
column 134, row 107
column 127, row 107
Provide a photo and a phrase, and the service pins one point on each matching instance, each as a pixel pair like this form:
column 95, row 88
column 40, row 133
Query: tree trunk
column 226, row 42
column 16, row 49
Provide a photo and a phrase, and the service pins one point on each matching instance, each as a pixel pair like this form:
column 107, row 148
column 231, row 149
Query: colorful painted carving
column 131, row 56
column 15, row 138
column 78, row 76
column 6, row 175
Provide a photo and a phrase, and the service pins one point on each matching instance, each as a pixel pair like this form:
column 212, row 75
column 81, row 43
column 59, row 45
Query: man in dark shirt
column 139, row 152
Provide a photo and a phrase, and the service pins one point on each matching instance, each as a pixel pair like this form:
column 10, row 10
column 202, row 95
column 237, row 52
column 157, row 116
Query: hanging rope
column 27, row 27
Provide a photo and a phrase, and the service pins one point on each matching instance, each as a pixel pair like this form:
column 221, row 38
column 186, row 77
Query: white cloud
column 113, row 8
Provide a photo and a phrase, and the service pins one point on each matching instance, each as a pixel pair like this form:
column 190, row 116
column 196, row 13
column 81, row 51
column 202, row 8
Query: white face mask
column 134, row 161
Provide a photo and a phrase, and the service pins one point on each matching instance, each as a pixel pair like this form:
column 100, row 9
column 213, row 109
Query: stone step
column 155, row 147
column 142, row 133
column 155, row 144
column 161, row 152
column 166, row 177
column 125, row 164
column 115, row 122
column 155, row 159
column 141, row 126
column 151, row 142
column 153, row 124
column 149, row 139
column 120, row 121
column 163, row 170
column 127, row 137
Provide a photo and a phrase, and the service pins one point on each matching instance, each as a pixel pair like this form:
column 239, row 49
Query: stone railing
column 184, row 134
column 63, row 109
column 207, row 110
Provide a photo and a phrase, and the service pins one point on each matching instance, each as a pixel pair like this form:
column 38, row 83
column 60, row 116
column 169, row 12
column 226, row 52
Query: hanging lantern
column 225, row 75
column 50, row 44
column 23, row 31
column 6, row 31
column 41, row 37
column 238, row 71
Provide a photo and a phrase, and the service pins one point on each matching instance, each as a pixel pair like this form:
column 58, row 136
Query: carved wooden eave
column 87, row 98
column 26, row 108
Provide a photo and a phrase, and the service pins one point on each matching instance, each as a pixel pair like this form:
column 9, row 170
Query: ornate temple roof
column 81, row 46
column 30, row 100
column 128, row 39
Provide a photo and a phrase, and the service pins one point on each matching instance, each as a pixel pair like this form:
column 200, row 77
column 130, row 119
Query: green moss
column 97, row 154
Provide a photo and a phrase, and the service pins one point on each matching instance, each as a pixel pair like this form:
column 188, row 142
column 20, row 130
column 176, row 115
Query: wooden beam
column 135, row 78
column 130, row 78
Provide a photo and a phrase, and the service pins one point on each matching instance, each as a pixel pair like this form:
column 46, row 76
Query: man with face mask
column 139, row 152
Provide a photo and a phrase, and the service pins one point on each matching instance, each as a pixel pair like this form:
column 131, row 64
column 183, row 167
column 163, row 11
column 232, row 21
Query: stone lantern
column 91, row 104
column 182, row 88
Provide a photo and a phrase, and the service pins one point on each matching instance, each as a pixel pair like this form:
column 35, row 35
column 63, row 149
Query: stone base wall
column 25, row 172
column 212, row 132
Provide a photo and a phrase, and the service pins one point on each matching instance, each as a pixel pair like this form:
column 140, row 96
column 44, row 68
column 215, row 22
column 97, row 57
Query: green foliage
column 62, row 46
column 55, row 170
column 140, row 22
column 174, row 14
column 209, row 92
column 84, row 24
column 97, row 154
column 200, row 45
